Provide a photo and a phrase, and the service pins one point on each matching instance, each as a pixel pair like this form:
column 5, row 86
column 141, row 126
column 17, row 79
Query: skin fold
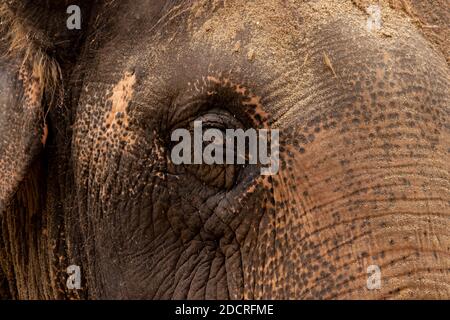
column 86, row 118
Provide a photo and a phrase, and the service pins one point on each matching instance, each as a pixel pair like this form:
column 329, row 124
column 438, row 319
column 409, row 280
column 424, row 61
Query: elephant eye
column 200, row 149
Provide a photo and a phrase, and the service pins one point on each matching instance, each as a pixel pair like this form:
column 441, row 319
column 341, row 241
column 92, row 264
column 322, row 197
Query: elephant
column 357, row 89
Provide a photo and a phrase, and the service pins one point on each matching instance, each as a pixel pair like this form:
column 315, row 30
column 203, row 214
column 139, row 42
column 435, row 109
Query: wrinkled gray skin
column 365, row 143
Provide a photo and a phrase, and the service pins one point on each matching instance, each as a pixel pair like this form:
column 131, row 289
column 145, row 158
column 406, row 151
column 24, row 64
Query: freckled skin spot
column 257, row 111
column 33, row 91
column 121, row 96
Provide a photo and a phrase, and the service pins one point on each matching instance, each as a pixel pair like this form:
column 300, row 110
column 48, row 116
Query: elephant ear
column 28, row 81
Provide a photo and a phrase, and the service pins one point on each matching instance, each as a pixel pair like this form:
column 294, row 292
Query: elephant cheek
column 337, row 216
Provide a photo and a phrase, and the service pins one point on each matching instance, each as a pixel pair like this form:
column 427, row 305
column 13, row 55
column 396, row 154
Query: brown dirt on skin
column 267, row 29
column 432, row 22
column 256, row 31
column 430, row 16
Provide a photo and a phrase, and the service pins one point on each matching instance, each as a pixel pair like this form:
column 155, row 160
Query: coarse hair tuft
column 23, row 42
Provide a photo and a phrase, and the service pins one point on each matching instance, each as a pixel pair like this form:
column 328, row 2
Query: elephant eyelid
column 225, row 104
column 211, row 119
